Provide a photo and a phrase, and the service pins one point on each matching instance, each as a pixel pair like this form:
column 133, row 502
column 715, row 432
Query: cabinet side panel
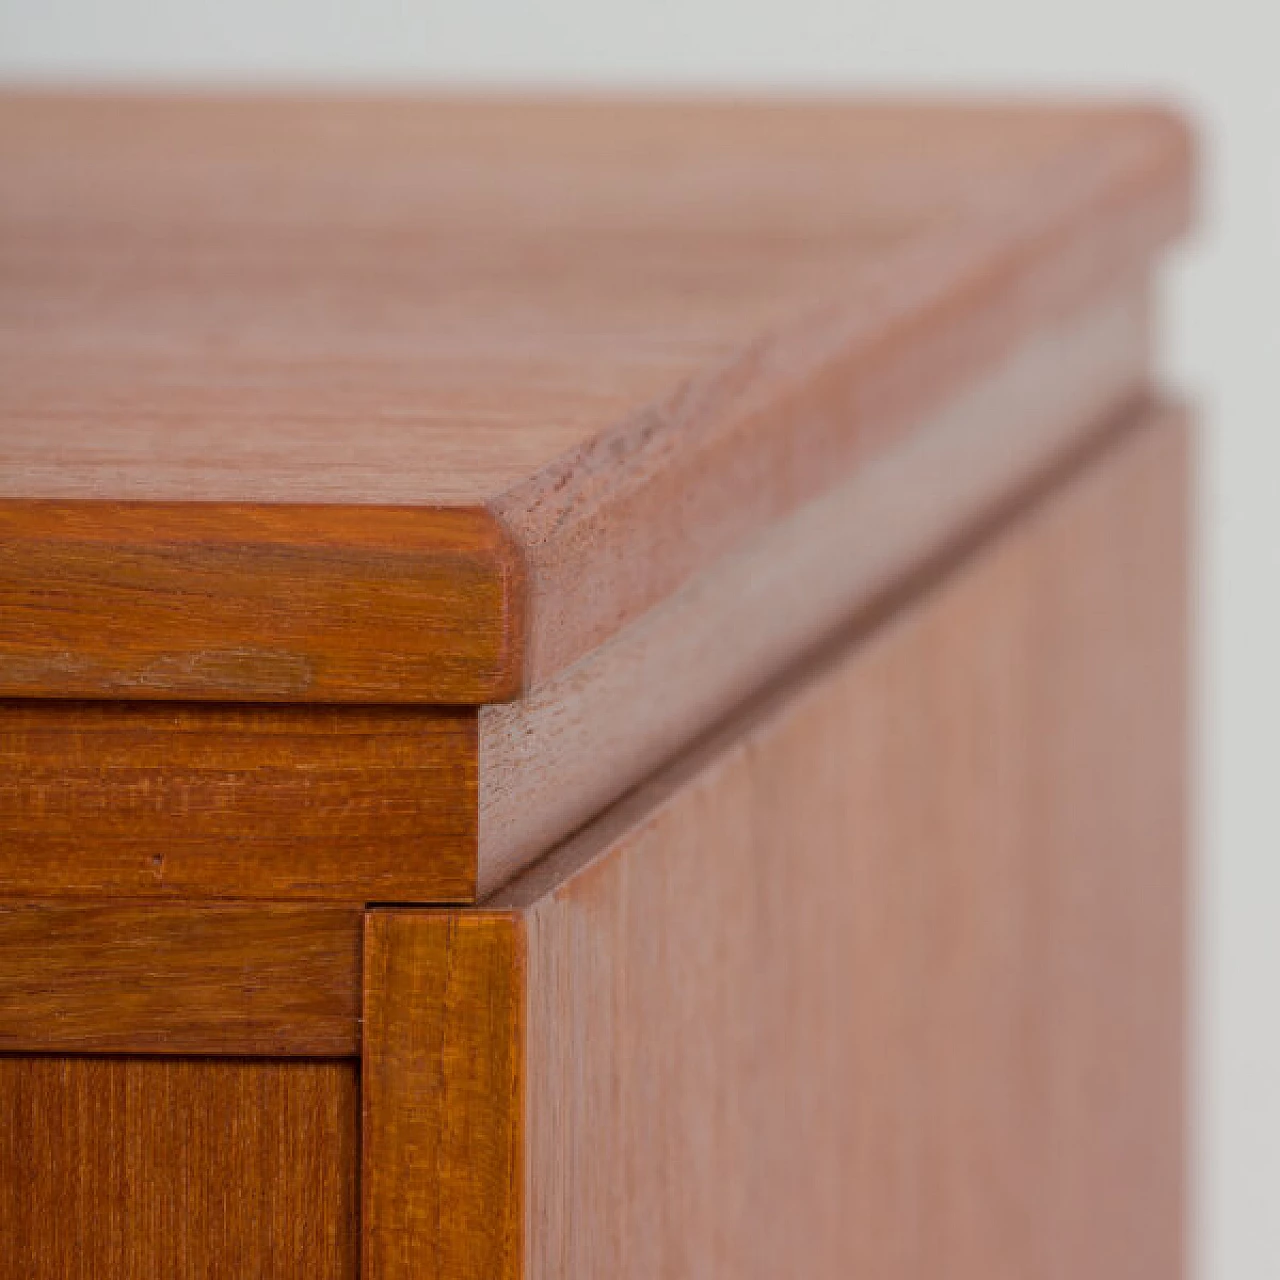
column 188, row 1169
column 887, row 981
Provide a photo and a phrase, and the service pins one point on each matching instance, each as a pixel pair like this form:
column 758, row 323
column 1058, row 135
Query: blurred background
column 1222, row 346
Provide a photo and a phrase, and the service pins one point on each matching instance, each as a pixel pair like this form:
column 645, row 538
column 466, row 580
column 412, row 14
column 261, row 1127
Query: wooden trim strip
column 161, row 801
column 142, row 978
column 234, row 602
column 443, row 1095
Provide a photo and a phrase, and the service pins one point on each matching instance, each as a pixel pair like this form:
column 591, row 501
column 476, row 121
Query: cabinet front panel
column 177, row 1169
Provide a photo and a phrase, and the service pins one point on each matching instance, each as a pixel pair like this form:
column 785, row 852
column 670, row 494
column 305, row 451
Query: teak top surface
column 580, row 321
column 382, row 302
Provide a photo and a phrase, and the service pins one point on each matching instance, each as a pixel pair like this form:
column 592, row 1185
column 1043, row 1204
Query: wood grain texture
column 363, row 805
column 141, row 978
column 350, row 804
column 443, row 1185
column 216, row 601
column 139, row 1168
column 555, row 758
column 415, row 347
column 887, row 980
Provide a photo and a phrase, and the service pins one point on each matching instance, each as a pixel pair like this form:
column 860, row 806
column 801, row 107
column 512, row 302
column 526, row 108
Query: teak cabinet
column 589, row 689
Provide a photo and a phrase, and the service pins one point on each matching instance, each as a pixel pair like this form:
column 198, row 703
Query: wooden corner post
column 443, row 1095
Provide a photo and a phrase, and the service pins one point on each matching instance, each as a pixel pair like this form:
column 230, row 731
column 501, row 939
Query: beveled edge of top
column 471, row 605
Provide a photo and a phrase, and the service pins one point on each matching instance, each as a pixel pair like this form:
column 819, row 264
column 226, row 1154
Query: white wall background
column 1223, row 343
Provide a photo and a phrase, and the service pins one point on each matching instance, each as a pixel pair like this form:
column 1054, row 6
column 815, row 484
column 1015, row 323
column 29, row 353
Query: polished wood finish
column 410, row 805
column 886, row 978
column 351, row 804
column 294, row 394
column 442, row 1096
column 220, row 601
column 187, row 1169
column 588, row 689
column 147, row 978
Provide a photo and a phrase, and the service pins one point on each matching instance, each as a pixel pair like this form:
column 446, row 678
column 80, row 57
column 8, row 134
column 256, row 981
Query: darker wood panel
column 218, row 602
column 136, row 1168
column 443, row 1172
column 265, row 980
column 146, row 800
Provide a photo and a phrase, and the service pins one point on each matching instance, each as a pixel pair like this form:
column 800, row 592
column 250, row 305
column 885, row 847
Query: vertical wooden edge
column 510, row 677
column 443, row 1095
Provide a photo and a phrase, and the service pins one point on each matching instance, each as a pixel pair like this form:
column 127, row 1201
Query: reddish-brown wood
column 291, row 391
column 352, row 804
column 265, row 979
column 443, row 1183
column 827, row 423
column 884, row 979
column 187, row 1169
column 255, row 603
column 360, row 805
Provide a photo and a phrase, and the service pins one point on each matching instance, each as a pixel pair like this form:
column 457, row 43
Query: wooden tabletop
column 413, row 400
